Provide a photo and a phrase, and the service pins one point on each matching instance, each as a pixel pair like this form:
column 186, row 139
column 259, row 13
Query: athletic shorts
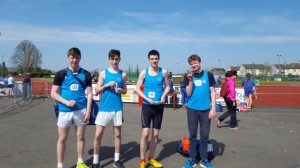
column 248, row 92
column 66, row 119
column 10, row 86
column 152, row 113
column 114, row 117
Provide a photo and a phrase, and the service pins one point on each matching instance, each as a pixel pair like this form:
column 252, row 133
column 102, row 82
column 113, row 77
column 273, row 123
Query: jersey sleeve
column 88, row 78
column 211, row 79
column 59, row 77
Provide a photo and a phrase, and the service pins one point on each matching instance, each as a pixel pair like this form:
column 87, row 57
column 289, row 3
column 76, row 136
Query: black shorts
column 152, row 113
column 10, row 86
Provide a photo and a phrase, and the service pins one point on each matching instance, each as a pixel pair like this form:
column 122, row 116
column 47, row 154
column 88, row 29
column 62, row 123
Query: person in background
column 170, row 84
column 248, row 83
column 10, row 85
column 183, row 91
column 26, row 86
column 230, row 101
column 5, row 81
column 217, row 78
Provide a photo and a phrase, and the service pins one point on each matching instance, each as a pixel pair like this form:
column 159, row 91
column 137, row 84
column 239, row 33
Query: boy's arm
column 100, row 88
column 189, row 87
column 139, row 84
column 212, row 113
column 167, row 86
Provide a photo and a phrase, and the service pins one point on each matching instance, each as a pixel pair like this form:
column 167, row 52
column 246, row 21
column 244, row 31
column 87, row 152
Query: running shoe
column 190, row 163
column 82, row 165
column 143, row 165
column 206, row 164
column 118, row 164
column 155, row 163
column 96, row 165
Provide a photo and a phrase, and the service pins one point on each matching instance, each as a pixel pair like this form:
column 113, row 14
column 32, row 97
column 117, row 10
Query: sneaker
column 155, row 163
column 118, row 164
column 143, row 165
column 206, row 164
column 82, row 165
column 96, row 165
column 190, row 163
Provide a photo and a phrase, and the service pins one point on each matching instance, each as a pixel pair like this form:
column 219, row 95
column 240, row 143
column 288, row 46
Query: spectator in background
column 26, row 86
column 10, row 85
column 170, row 84
column 248, row 83
column 230, row 101
column 183, row 91
column 5, row 81
column 217, row 78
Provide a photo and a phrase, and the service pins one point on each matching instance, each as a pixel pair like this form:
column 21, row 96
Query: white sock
column 95, row 159
column 60, row 165
column 117, row 156
column 80, row 160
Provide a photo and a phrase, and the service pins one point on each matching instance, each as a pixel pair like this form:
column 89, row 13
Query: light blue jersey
column 111, row 101
column 71, row 89
column 200, row 98
column 153, row 86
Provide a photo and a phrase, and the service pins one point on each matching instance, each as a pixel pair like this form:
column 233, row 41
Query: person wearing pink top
column 230, row 101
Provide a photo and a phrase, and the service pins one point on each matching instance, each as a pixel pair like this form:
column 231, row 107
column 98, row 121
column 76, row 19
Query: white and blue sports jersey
column 112, row 101
column 71, row 89
column 200, row 98
column 153, row 86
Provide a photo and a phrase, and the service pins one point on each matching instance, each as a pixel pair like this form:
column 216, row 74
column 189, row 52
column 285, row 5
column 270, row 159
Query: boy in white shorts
column 73, row 103
column 111, row 83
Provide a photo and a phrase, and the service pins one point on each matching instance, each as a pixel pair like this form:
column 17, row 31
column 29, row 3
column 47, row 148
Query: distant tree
column 27, row 57
column 137, row 71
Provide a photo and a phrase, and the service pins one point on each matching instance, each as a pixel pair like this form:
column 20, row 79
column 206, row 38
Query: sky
column 222, row 32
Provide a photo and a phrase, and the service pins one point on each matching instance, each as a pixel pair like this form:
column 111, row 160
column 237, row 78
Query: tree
column 27, row 57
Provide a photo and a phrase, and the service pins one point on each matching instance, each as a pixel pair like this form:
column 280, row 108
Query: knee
column 80, row 137
column 62, row 139
column 117, row 134
column 155, row 133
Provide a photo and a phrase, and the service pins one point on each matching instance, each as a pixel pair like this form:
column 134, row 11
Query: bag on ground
column 183, row 148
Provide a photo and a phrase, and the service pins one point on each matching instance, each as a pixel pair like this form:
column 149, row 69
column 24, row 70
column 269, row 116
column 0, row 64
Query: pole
column 2, row 66
column 279, row 55
column 178, row 68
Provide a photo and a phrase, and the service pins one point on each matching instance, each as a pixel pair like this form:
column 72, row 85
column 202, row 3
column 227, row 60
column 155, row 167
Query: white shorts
column 66, row 119
column 114, row 117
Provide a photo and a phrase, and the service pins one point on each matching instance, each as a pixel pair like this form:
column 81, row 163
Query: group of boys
column 75, row 101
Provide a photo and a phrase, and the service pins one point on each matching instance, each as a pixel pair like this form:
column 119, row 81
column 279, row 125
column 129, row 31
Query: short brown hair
column 113, row 53
column 194, row 57
column 75, row 52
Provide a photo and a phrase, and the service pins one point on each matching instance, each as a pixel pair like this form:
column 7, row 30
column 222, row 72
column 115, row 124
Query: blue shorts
column 248, row 91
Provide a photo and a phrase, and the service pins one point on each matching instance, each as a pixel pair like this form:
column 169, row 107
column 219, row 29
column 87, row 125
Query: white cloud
column 18, row 32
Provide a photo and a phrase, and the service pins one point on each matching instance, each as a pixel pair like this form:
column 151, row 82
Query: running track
column 268, row 95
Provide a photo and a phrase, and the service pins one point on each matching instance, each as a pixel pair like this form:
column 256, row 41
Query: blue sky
column 223, row 32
